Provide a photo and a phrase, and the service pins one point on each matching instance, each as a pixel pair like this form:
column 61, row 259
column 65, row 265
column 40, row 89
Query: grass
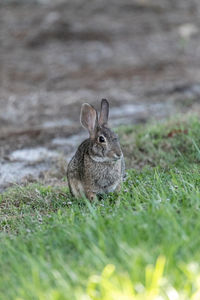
column 140, row 244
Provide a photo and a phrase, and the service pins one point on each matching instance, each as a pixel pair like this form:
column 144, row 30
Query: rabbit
column 98, row 165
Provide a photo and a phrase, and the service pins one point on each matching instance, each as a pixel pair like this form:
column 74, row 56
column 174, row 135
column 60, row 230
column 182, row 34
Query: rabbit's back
column 75, row 170
column 76, row 164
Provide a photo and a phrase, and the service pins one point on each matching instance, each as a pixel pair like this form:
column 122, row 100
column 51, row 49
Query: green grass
column 140, row 244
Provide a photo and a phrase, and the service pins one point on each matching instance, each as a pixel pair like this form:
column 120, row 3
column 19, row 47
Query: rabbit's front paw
column 91, row 196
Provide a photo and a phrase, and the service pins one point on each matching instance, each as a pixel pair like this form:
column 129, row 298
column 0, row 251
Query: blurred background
column 142, row 55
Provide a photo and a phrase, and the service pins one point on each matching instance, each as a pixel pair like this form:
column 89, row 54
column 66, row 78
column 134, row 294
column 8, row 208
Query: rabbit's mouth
column 117, row 156
column 114, row 155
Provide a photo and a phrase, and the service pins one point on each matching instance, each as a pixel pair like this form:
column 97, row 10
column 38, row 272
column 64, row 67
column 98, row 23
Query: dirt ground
column 142, row 55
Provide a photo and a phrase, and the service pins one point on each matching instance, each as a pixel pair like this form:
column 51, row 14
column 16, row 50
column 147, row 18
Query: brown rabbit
column 98, row 164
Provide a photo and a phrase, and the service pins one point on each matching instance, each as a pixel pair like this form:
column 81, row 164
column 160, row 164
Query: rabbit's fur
column 98, row 164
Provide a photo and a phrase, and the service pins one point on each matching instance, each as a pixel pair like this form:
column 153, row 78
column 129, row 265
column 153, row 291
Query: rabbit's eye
column 101, row 139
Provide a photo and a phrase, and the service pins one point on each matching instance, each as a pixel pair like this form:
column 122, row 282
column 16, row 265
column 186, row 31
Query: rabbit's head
column 104, row 144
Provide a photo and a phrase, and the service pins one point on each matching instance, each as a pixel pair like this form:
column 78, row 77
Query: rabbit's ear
column 103, row 119
column 88, row 118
